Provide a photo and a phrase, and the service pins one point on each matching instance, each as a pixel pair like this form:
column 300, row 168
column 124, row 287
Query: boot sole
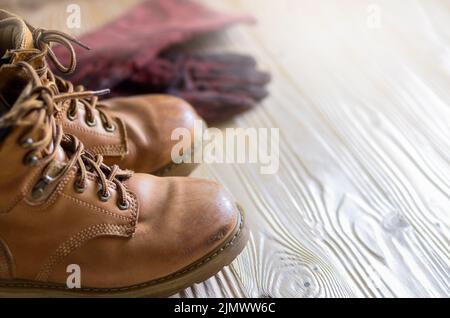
column 166, row 286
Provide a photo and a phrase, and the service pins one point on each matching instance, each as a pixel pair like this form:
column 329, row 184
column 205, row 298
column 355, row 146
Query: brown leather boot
column 133, row 132
column 130, row 234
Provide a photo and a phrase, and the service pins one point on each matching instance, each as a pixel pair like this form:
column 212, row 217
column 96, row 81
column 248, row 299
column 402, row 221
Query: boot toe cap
column 150, row 121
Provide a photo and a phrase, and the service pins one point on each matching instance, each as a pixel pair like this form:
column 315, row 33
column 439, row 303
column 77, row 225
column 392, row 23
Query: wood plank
column 357, row 208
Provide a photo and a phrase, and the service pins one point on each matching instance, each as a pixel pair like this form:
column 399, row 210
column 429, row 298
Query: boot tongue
column 14, row 33
column 60, row 160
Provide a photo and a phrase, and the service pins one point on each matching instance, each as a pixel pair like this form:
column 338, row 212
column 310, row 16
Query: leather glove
column 219, row 86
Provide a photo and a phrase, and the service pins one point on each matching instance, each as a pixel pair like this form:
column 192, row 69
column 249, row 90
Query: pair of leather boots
column 70, row 202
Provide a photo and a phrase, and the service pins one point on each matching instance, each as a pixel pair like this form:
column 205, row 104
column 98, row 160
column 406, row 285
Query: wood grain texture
column 360, row 205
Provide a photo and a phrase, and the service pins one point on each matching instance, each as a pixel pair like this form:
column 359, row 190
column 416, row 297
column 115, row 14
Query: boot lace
column 78, row 95
column 41, row 102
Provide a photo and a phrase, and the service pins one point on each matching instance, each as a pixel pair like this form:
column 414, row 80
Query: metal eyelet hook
column 27, row 142
column 31, row 160
column 39, row 188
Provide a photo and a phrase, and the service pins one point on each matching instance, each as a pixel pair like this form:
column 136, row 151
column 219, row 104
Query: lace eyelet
column 102, row 197
column 110, row 128
column 26, row 143
column 71, row 116
column 79, row 188
column 123, row 205
column 39, row 187
column 31, row 160
column 91, row 122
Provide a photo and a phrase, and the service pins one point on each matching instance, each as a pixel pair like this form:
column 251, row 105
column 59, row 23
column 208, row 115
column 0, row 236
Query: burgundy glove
column 218, row 85
column 137, row 37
